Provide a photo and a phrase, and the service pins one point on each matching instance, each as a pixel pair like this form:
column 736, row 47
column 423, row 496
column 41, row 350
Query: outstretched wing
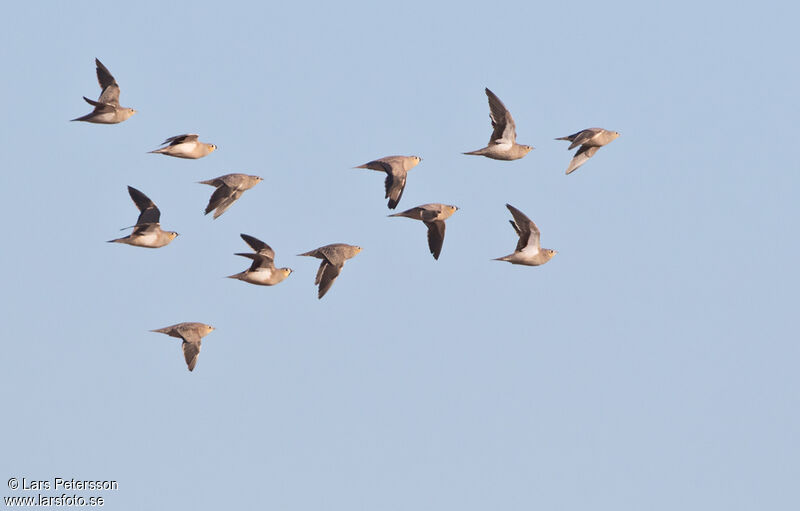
column 326, row 274
column 583, row 154
column 258, row 245
column 110, row 89
column 191, row 346
column 504, row 129
column 149, row 212
column 526, row 229
column 259, row 261
column 395, row 185
column 435, row 237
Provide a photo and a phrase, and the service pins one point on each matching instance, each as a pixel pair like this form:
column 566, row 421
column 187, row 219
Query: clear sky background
column 652, row 364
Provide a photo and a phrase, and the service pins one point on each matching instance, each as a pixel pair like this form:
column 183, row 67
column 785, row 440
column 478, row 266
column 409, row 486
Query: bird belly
column 149, row 240
column 104, row 118
column 261, row 278
column 184, row 150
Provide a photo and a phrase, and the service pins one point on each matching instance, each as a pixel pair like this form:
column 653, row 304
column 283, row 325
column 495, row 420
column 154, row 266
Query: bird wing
column 191, row 350
column 260, row 261
column 258, row 245
column 227, row 202
column 526, row 229
column 142, row 229
column 583, row 154
column 180, row 139
column 333, row 254
column 582, row 137
column 383, row 165
column 110, row 89
column 100, row 107
column 326, row 274
column 435, row 237
column 220, row 195
column 502, row 122
column 149, row 212
column 395, row 185
column 191, row 345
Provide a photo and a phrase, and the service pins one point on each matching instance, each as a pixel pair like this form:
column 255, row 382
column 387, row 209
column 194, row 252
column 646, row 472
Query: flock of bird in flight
column 262, row 271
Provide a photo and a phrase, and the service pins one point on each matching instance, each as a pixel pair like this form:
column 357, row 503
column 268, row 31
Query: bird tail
column 118, row 240
column 479, row 152
column 165, row 330
column 311, row 253
column 158, row 151
column 504, row 258
column 236, row 276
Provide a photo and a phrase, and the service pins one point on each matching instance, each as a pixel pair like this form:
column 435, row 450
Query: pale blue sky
column 652, row 364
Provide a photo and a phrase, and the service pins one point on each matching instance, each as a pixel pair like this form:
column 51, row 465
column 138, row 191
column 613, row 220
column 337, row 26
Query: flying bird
column 433, row 216
column 262, row 272
column 396, row 168
column 528, row 252
column 590, row 141
column 503, row 142
column 229, row 188
column 185, row 146
column 333, row 258
column 192, row 334
column 147, row 231
column 106, row 109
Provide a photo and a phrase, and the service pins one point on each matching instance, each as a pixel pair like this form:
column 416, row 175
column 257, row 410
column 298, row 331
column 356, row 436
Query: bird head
column 527, row 148
column 211, row 148
column 173, row 235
